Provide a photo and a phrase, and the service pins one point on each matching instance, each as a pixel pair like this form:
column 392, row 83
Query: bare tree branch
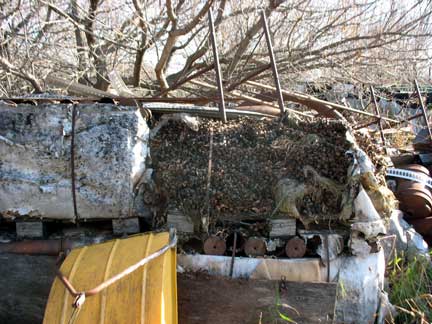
column 9, row 67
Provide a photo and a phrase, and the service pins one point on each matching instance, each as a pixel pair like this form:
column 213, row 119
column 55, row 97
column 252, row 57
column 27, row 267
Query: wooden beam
column 209, row 299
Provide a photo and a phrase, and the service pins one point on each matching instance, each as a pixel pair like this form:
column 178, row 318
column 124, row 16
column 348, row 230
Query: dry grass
column 411, row 290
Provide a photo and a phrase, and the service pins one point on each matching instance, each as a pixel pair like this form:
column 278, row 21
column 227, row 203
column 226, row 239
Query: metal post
column 423, row 109
column 217, row 67
column 377, row 111
column 233, row 255
column 273, row 62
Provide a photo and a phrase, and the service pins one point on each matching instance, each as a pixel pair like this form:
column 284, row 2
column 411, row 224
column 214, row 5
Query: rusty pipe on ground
column 262, row 109
column 39, row 247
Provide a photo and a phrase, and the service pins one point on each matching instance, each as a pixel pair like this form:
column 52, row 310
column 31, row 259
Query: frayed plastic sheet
column 190, row 121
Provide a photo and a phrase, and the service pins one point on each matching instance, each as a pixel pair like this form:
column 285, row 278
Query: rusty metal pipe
column 377, row 111
column 38, row 247
column 262, row 109
column 217, row 67
column 273, row 62
column 424, row 112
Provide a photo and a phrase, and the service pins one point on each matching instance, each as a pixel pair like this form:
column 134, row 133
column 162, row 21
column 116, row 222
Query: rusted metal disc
column 422, row 225
column 417, row 168
column 255, row 247
column 214, row 245
column 410, row 185
column 415, row 200
column 295, row 248
column 420, row 169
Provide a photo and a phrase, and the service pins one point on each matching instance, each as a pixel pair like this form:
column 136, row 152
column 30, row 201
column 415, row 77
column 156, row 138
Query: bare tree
column 159, row 46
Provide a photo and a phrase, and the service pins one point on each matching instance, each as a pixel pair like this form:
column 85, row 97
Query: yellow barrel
column 147, row 295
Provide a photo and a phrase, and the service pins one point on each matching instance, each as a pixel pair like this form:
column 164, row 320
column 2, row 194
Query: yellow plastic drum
column 147, row 295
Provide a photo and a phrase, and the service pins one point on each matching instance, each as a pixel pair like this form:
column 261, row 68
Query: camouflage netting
column 250, row 156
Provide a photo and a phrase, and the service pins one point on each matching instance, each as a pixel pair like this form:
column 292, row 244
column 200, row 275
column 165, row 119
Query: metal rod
column 233, row 255
column 39, row 247
column 273, row 62
column 400, row 122
column 313, row 102
column 217, row 67
column 72, row 164
column 206, row 219
column 423, row 109
column 377, row 112
column 326, row 239
column 239, row 94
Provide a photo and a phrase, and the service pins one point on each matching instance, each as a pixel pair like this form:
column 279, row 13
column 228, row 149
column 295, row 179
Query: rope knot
column 79, row 300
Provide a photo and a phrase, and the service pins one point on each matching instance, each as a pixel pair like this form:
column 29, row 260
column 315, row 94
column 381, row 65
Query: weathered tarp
column 35, row 161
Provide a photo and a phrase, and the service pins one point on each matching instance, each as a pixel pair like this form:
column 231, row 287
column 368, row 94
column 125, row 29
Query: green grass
column 278, row 312
column 411, row 289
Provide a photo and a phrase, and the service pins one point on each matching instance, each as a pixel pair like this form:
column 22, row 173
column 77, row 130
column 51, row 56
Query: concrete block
column 33, row 229
column 125, row 226
column 282, row 227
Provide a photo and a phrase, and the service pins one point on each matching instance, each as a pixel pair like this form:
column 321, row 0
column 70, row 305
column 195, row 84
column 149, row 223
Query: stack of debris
column 251, row 187
column 275, row 189
column 248, row 158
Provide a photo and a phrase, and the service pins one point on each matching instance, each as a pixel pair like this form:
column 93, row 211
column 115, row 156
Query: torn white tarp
column 367, row 220
column 111, row 146
column 361, row 281
column 307, row 269
column 407, row 240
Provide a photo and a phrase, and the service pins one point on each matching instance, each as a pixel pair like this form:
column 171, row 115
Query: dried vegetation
column 249, row 156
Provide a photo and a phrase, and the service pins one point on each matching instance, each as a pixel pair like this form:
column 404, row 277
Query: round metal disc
column 415, row 199
column 295, row 248
column 214, row 245
column 255, row 247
